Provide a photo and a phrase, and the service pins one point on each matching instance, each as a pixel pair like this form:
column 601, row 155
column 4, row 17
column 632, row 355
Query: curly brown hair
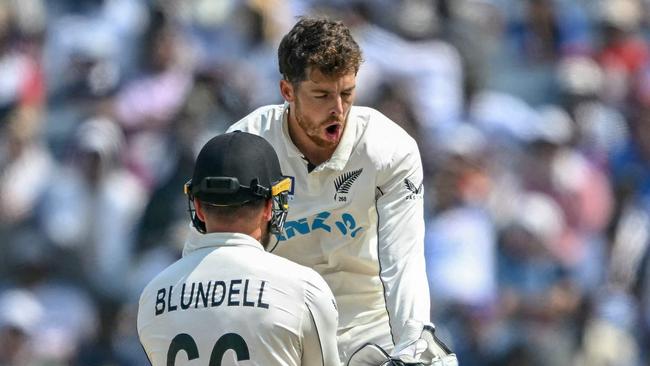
column 323, row 44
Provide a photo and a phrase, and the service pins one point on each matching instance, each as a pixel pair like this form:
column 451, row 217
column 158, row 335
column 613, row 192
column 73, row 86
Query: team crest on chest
column 343, row 184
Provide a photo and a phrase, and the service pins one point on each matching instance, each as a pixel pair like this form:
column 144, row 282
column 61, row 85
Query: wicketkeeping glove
column 417, row 346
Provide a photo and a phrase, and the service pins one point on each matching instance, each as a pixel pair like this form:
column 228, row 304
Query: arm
column 400, row 239
column 319, row 346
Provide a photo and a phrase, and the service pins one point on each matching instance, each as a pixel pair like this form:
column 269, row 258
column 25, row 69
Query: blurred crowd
column 532, row 117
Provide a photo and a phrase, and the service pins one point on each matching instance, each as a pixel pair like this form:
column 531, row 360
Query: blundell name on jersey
column 237, row 292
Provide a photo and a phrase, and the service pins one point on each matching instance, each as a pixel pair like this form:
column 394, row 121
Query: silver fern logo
column 343, row 184
column 416, row 191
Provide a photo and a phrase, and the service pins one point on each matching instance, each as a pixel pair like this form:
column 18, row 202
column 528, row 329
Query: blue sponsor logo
column 346, row 225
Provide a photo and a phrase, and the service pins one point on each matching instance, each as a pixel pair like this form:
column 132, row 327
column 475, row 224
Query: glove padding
column 426, row 349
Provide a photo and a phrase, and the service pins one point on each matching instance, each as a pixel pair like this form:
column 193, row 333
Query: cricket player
column 356, row 201
column 227, row 301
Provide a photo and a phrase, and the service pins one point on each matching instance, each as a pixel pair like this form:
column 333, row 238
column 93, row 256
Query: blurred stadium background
column 532, row 116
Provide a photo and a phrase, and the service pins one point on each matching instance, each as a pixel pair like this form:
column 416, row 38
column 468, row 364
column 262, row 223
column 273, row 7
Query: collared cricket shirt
column 357, row 219
column 229, row 302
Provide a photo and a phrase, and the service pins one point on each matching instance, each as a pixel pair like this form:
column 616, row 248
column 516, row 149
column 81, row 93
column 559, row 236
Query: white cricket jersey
column 357, row 219
column 229, row 302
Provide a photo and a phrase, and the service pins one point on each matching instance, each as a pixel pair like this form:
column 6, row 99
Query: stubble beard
column 313, row 129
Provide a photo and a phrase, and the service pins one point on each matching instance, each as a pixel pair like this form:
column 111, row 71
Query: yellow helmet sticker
column 282, row 186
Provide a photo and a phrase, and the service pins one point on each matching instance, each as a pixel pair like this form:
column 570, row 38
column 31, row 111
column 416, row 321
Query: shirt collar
column 342, row 153
column 196, row 241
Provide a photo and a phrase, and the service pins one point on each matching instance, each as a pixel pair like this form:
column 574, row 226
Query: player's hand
column 417, row 346
column 369, row 354
column 373, row 355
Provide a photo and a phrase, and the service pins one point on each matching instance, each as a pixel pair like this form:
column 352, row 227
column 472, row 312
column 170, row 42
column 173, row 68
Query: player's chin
column 322, row 142
column 328, row 142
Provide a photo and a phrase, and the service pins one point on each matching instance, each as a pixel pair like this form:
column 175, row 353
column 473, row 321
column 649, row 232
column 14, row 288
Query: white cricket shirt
column 357, row 219
column 228, row 302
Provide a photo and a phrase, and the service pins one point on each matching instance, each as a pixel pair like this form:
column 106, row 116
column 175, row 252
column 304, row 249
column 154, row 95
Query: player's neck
column 314, row 153
column 242, row 228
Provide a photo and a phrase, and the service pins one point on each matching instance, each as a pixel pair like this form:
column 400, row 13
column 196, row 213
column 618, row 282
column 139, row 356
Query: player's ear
column 287, row 90
column 268, row 210
column 198, row 207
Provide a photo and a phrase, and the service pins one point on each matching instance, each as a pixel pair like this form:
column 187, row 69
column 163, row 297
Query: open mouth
column 333, row 131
